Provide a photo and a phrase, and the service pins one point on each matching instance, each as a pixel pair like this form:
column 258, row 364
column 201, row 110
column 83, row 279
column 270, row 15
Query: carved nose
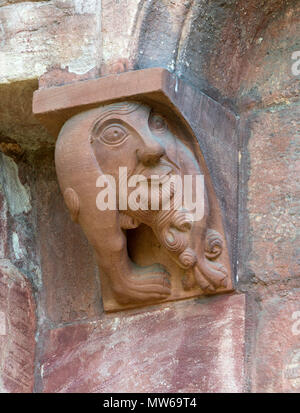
column 150, row 153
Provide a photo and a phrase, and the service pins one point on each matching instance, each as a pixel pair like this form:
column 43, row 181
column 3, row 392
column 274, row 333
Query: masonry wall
column 239, row 53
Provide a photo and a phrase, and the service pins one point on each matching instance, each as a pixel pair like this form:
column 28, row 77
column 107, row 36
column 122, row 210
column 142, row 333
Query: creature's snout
column 150, row 150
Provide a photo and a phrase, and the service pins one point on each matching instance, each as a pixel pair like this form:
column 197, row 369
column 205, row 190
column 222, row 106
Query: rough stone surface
column 192, row 346
column 267, row 78
column 36, row 35
column 219, row 45
column 269, row 244
column 70, row 289
column 3, row 225
column 118, row 24
column 269, row 210
column 17, row 216
column 17, row 123
column 17, row 196
column 273, row 197
column 17, row 331
column 276, row 357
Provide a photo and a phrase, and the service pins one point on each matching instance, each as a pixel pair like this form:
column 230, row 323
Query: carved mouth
column 158, row 174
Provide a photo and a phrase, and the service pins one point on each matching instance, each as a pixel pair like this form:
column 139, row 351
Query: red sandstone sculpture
column 145, row 255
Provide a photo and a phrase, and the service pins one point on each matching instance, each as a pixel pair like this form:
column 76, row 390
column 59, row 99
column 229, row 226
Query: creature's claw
column 143, row 285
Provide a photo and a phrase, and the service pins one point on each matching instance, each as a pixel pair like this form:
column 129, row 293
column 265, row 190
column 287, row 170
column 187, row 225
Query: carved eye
column 113, row 134
column 157, row 123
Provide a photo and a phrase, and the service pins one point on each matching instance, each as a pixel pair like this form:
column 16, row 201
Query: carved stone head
column 151, row 245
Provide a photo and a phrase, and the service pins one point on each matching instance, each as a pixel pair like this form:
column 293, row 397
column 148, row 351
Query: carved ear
column 72, row 202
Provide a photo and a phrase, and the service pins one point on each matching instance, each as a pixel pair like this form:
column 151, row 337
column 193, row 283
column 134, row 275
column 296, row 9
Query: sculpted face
column 133, row 136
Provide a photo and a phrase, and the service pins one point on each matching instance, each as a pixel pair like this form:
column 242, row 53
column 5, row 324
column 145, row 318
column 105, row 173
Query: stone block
column 271, row 247
column 38, row 35
column 17, row 331
column 190, row 346
column 276, row 357
column 3, row 225
column 70, row 288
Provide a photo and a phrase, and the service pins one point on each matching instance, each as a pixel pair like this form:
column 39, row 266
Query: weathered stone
column 271, row 249
column 119, row 26
column 3, row 225
column 17, row 123
column 276, row 356
column 36, row 35
column 56, row 77
column 192, row 346
column 11, row 149
column 162, row 28
column 227, row 48
column 17, row 196
column 17, row 222
column 274, row 45
column 17, row 331
column 6, row 2
column 70, row 287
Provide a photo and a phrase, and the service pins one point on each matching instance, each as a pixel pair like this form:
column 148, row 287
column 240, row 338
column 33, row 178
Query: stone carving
column 145, row 255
